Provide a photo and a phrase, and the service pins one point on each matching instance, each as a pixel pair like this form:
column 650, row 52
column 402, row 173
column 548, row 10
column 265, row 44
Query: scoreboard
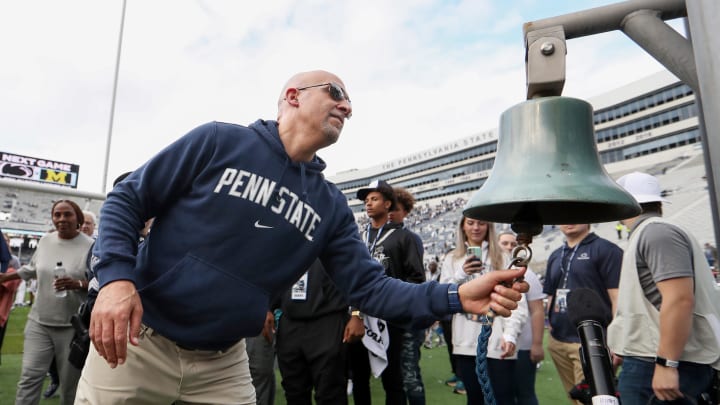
column 39, row 170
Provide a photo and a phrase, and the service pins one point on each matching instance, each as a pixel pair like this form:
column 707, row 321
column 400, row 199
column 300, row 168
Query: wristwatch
column 356, row 313
column 454, row 304
column 666, row 363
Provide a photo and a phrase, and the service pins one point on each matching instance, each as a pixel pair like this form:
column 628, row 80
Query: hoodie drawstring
column 303, row 182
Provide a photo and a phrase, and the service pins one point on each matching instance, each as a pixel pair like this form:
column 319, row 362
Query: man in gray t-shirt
column 664, row 252
column 660, row 267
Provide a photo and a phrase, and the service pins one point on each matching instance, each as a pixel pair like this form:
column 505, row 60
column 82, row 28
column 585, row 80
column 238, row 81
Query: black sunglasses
column 336, row 92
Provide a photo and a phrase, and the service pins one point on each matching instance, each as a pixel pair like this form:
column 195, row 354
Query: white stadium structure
column 650, row 125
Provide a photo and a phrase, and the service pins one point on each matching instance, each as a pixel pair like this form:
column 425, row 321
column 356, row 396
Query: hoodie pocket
column 203, row 306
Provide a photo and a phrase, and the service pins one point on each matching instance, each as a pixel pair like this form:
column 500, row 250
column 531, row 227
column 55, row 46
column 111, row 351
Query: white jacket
column 465, row 331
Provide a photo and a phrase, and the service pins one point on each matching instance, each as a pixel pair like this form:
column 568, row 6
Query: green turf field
column 434, row 364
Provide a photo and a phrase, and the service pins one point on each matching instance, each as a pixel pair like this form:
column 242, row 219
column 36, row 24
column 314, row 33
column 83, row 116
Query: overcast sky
column 419, row 72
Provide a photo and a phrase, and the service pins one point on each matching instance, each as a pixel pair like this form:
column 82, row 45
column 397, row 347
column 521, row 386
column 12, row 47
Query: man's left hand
column 486, row 292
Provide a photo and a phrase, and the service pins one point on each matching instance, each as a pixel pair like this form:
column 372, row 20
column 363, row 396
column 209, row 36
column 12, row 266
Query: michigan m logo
column 52, row 176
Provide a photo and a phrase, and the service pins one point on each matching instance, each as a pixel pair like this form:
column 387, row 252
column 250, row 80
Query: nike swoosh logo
column 259, row 225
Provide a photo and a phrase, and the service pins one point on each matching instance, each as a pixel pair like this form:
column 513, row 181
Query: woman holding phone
column 477, row 252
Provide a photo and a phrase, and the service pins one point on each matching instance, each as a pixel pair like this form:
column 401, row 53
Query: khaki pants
column 566, row 357
column 159, row 372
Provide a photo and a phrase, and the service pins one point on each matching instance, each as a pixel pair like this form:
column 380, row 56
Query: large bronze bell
column 547, row 170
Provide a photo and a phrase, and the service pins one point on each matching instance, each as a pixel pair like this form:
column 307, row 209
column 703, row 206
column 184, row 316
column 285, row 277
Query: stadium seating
column 682, row 176
column 681, row 173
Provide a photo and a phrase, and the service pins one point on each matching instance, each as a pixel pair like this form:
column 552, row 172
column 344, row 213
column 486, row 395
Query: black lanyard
column 566, row 272
column 371, row 248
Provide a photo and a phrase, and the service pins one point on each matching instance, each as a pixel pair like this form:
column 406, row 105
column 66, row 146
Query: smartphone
column 477, row 252
column 474, row 250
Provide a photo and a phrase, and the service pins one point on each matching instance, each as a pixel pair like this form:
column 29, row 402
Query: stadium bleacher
column 681, row 173
column 682, row 177
column 25, row 212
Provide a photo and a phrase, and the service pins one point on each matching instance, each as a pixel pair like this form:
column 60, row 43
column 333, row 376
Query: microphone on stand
column 587, row 312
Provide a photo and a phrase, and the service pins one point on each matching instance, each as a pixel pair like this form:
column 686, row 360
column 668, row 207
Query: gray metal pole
column 607, row 18
column 663, row 43
column 696, row 64
column 703, row 16
column 112, row 103
column 544, row 39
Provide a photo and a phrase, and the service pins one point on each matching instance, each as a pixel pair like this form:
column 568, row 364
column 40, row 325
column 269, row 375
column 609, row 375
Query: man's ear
column 291, row 96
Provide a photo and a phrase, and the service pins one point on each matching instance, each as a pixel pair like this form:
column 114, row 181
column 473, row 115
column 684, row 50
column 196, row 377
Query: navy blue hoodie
column 237, row 223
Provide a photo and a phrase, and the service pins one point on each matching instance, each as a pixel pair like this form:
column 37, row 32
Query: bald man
column 240, row 214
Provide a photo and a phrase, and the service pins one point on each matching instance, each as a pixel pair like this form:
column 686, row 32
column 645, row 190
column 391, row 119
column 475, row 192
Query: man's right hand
column 268, row 331
column 117, row 306
column 354, row 330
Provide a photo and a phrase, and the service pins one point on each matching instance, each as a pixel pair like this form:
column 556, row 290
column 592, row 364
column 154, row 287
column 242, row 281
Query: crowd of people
column 272, row 266
column 434, row 223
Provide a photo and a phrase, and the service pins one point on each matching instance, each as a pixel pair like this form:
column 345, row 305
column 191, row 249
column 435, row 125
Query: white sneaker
column 349, row 387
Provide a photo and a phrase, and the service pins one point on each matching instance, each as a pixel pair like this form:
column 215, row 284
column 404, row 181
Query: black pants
column 310, row 355
column 501, row 379
column 2, row 337
column 466, row 368
column 391, row 377
column 447, row 335
column 359, row 371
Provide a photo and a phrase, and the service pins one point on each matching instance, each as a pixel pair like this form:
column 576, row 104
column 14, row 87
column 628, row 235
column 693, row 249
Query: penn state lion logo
column 380, row 256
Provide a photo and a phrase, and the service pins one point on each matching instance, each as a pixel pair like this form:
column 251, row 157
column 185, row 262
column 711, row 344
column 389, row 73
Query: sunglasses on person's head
column 336, row 92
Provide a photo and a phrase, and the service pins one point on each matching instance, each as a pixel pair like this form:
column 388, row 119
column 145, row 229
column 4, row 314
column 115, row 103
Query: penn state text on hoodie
column 236, row 224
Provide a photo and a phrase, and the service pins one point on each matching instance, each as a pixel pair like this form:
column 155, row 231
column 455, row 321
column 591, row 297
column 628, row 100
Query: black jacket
column 321, row 297
column 396, row 248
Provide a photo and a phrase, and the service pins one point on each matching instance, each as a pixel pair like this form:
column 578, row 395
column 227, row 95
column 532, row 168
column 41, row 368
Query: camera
column 80, row 344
